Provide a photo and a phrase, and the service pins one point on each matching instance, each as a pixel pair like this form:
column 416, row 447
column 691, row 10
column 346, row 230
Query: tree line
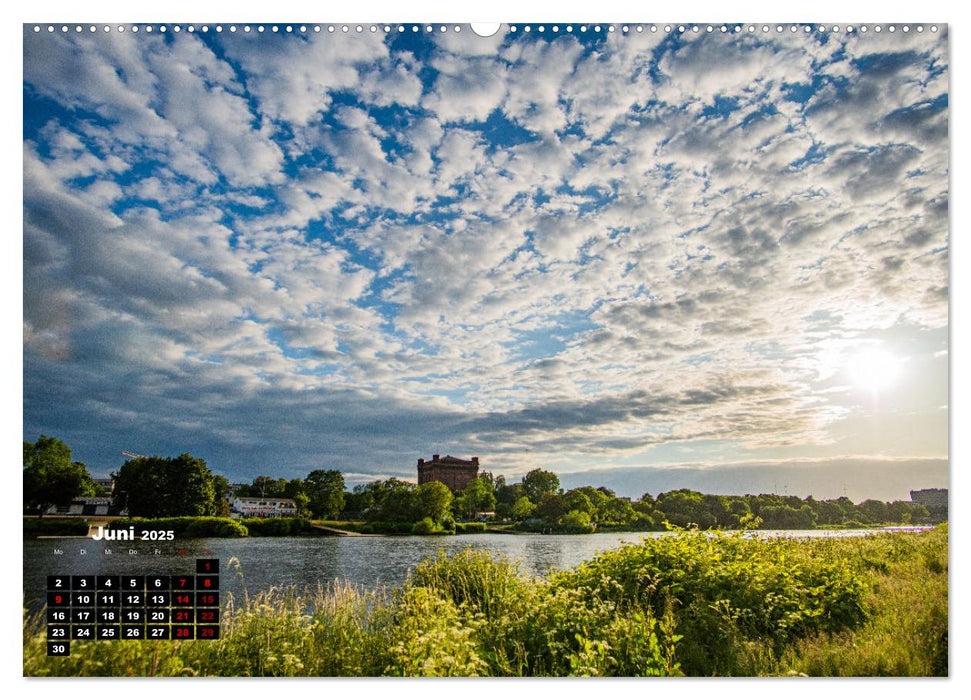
column 155, row 487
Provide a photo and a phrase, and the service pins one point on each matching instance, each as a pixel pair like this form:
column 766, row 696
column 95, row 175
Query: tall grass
column 691, row 604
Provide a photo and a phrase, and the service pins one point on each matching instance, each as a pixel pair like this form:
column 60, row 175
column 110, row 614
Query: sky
column 640, row 259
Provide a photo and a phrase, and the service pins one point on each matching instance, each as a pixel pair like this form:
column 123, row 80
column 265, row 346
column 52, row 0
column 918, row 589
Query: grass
column 691, row 604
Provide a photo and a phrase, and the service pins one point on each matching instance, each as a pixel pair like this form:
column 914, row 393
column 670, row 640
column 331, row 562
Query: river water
column 256, row 563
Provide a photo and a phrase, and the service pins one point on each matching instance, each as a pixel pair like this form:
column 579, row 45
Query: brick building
column 453, row 472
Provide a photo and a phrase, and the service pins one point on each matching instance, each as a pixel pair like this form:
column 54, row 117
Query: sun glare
column 874, row 369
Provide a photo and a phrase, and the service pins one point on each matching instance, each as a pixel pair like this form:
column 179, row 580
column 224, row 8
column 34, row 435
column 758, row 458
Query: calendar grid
column 121, row 607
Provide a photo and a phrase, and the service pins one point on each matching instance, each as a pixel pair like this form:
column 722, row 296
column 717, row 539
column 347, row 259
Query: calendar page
column 527, row 349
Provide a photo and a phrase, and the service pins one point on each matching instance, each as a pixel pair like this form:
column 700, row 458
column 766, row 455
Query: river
column 258, row 563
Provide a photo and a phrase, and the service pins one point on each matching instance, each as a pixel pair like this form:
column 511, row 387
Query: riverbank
column 687, row 604
column 75, row 526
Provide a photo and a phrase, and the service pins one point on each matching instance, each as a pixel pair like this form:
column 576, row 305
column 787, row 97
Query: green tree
column 475, row 498
column 522, row 509
column 50, row 477
column 296, row 490
column 267, row 486
column 220, row 486
column 325, row 489
column 539, row 483
column 433, row 499
column 161, row 487
column 551, row 508
column 394, row 501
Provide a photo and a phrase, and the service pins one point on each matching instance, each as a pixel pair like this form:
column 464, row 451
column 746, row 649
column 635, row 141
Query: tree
column 522, row 509
column 161, row 487
column 326, row 491
column 433, row 499
column 50, row 477
column 296, row 490
column 551, row 508
column 268, row 486
column 538, row 483
column 220, row 486
column 475, row 498
column 394, row 501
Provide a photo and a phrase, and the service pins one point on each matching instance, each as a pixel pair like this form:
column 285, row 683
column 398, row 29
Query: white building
column 262, row 507
column 87, row 505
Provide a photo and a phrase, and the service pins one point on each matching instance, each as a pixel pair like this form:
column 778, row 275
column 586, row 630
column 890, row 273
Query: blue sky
column 635, row 252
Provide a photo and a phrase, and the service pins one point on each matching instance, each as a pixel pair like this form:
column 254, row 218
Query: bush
column 277, row 527
column 576, row 522
column 468, row 528
column 54, row 527
column 432, row 638
column 725, row 591
column 427, row 526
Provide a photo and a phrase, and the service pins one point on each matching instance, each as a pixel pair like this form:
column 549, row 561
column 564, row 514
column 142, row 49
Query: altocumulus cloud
column 288, row 251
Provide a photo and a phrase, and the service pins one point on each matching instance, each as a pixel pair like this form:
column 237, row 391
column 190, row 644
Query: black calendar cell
column 58, row 616
column 133, row 617
column 157, row 632
column 132, row 583
column 207, row 599
column 58, row 599
column 132, row 632
column 83, row 583
column 58, row 648
column 157, row 583
column 132, row 599
column 183, row 583
column 182, row 615
column 207, row 631
column 183, row 632
column 107, row 599
column 182, row 599
column 207, row 617
column 58, row 632
column 82, row 599
column 82, row 631
column 109, row 583
column 207, row 583
column 110, row 632
column 157, row 617
column 108, row 616
column 83, row 616
column 207, row 566
column 58, row 583
column 160, row 599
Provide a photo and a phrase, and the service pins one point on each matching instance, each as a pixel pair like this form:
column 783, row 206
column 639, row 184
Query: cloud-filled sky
column 644, row 253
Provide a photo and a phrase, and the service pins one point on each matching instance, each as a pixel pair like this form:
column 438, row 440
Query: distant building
column 453, row 472
column 108, row 484
column 930, row 498
column 259, row 507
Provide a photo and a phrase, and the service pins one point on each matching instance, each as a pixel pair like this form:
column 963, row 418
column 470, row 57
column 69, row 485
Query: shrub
column 54, row 527
column 427, row 526
column 576, row 522
column 725, row 590
column 484, row 582
column 432, row 638
column 468, row 528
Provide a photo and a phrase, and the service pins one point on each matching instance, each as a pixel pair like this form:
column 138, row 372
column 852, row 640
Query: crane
column 132, row 455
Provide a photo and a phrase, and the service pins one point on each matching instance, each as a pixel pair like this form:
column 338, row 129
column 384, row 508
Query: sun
column 874, row 369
